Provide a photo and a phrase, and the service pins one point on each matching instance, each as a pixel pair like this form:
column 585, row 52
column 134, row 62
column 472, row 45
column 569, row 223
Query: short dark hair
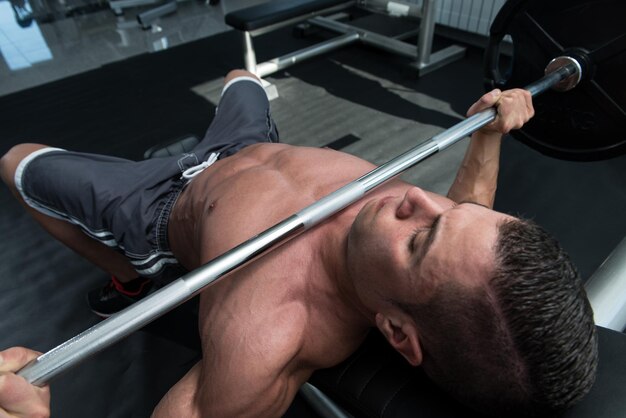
column 525, row 345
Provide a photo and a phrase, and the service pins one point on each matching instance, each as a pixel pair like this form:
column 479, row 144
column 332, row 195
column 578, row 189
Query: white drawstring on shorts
column 191, row 172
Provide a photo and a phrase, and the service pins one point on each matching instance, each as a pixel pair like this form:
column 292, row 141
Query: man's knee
column 10, row 161
column 238, row 73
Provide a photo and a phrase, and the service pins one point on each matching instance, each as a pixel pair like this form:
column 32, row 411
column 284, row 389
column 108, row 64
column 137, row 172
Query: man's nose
column 417, row 203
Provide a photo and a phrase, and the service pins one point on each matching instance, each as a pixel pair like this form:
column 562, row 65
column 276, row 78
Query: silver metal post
column 427, row 61
column 426, row 34
column 249, row 56
column 118, row 326
column 321, row 403
column 279, row 63
column 606, row 290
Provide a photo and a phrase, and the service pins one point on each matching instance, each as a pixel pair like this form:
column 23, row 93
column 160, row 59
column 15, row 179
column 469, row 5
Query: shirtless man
column 489, row 305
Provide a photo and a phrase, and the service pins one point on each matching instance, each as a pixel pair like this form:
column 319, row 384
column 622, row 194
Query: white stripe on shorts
column 19, row 172
column 156, row 268
column 238, row 79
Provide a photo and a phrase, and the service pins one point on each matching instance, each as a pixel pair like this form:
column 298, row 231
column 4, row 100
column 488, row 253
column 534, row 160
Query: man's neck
column 333, row 253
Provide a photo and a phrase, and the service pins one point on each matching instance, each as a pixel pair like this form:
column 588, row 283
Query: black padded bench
column 263, row 18
column 376, row 382
column 277, row 12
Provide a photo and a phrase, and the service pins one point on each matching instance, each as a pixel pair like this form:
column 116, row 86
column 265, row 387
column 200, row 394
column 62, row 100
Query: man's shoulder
column 273, row 329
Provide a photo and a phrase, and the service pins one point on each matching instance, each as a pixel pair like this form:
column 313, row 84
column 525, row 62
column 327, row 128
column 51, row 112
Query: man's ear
column 402, row 335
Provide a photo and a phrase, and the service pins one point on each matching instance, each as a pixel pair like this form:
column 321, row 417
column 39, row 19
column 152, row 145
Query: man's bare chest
column 281, row 301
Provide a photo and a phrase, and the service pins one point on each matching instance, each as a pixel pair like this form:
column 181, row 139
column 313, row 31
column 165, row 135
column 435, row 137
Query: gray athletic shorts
column 126, row 204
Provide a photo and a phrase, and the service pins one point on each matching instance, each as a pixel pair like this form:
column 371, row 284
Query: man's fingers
column 485, row 102
column 13, row 359
column 529, row 104
column 515, row 108
column 19, row 398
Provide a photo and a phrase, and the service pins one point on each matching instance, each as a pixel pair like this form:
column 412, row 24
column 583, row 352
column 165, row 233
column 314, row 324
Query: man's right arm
column 18, row 398
column 477, row 177
column 250, row 368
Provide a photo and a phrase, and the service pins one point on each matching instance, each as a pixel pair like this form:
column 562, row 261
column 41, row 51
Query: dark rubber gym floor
column 358, row 99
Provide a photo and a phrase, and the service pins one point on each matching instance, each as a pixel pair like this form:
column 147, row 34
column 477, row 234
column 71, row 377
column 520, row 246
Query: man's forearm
column 477, row 177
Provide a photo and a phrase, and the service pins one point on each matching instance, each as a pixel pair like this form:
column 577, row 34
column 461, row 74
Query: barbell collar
column 569, row 64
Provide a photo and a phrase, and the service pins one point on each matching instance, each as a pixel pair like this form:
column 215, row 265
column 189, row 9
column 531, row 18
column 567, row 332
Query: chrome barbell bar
column 100, row 336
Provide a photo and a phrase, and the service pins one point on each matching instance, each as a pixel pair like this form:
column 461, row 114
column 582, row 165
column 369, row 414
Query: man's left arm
column 477, row 177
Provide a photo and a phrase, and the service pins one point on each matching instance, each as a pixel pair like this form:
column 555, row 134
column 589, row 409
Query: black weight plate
column 587, row 123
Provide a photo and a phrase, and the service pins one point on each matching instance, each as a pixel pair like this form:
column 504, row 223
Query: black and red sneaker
column 116, row 296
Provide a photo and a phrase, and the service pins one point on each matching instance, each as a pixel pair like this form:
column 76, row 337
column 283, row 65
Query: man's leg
column 124, row 287
column 99, row 254
column 71, row 235
column 242, row 116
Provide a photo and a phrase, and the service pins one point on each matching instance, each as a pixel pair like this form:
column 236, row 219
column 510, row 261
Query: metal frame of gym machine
column 424, row 59
column 145, row 18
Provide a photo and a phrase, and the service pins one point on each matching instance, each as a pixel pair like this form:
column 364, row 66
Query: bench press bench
column 266, row 17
